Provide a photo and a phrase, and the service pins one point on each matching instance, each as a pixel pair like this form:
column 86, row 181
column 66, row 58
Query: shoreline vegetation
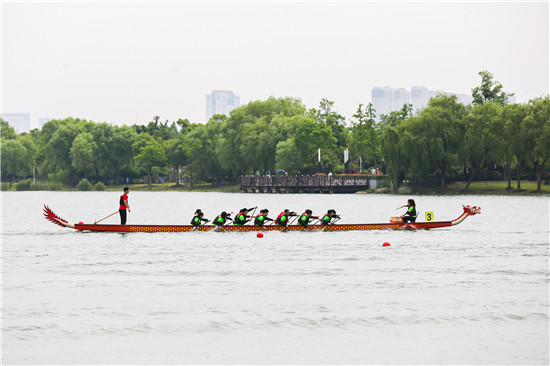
column 442, row 143
column 529, row 188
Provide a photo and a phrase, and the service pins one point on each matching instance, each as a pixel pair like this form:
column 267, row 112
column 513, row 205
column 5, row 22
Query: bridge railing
column 304, row 181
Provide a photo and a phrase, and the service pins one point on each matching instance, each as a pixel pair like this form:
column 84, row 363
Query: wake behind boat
column 52, row 217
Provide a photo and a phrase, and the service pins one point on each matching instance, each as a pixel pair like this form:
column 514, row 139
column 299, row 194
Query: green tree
column 82, row 152
column 433, row 140
column 286, row 157
column 537, row 122
column 59, row 146
column 489, row 90
column 7, row 132
column 14, row 157
column 121, row 149
column 334, row 120
column 148, row 153
column 517, row 138
column 364, row 137
column 482, row 137
column 309, row 136
column 205, row 161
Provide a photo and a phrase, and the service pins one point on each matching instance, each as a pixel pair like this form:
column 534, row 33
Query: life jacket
column 196, row 221
column 304, row 220
column 281, row 219
column 219, row 220
column 411, row 211
column 326, row 219
column 259, row 221
column 240, row 219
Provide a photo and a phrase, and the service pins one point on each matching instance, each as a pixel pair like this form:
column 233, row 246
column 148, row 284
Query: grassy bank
column 492, row 187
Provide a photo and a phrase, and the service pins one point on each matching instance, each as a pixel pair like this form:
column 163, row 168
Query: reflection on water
column 475, row 293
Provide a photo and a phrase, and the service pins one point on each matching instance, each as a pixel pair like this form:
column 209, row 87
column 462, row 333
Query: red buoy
column 80, row 223
column 260, row 235
column 386, row 244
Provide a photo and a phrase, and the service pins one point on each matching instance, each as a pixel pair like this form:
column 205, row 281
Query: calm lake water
column 476, row 293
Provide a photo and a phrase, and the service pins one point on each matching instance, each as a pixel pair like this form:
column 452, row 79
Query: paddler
column 222, row 218
column 197, row 220
column 123, row 205
column 305, row 217
column 242, row 216
column 328, row 217
column 410, row 214
column 282, row 219
column 262, row 218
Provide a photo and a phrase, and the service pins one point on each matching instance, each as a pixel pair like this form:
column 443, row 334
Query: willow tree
column 433, row 140
column 482, row 137
column 538, row 123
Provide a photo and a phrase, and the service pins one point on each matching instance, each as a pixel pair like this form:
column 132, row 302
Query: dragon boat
column 467, row 211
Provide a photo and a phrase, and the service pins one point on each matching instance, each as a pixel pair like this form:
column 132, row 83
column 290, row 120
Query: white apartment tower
column 386, row 100
column 221, row 102
column 420, row 96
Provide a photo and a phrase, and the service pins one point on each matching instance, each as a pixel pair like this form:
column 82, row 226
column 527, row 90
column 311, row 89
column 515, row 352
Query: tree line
column 444, row 141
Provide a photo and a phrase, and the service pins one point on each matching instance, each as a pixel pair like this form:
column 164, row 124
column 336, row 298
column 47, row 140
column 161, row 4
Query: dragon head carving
column 472, row 210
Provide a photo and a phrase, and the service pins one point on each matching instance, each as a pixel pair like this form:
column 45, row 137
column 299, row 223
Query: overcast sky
column 125, row 62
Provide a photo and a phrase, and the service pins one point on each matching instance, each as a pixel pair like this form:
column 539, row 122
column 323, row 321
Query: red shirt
column 122, row 205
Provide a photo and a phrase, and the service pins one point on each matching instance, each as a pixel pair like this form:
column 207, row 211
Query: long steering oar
column 106, row 217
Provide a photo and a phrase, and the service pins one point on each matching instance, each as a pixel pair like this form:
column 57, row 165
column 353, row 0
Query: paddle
column 313, row 223
column 105, row 217
column 202, row 224
column 331, row 223
column 216, row 227
column 252, row 216
column 286, row 227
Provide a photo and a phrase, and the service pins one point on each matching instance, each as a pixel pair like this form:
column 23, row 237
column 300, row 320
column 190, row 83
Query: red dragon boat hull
column 49, row 215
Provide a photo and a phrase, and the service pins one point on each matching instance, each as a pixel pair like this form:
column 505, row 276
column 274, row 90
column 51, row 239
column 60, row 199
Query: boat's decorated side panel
column 186, row 228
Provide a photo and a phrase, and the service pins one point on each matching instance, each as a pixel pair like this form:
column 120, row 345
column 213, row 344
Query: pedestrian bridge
column 308, row 184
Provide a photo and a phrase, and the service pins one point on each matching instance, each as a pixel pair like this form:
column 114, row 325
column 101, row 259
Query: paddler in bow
column 282, row 219
column 262, row 218
column 328, row 217
column 222, row 218
column 197, row 220
column 305, row 217
column 242, row 217
column 410, row 214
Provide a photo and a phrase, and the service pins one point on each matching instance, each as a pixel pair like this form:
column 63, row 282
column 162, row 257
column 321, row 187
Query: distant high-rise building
column 386, row 100
column 19, row 121
column 381, row 100
column 464, row 98
column 399, row 97
column 420, row 96
column 221, row 102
